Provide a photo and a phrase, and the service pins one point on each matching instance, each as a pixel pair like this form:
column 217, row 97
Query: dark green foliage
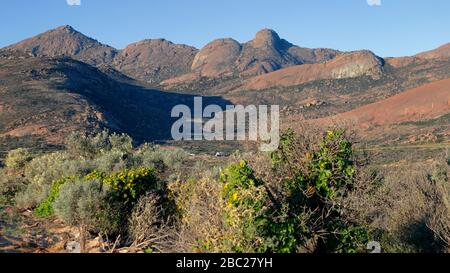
column 305, row 214
column 314, row 180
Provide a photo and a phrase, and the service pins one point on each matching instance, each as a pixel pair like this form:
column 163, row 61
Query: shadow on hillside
column 143, row 113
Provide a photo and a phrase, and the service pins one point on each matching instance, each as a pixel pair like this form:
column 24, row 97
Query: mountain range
column 61, row 80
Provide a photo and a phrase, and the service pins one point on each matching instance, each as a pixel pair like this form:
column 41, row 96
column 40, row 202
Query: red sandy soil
column 426, row 102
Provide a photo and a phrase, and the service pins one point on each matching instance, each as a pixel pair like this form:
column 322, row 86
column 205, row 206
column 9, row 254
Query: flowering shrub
column 129, row 185
column 126, row 187
column 246, row 209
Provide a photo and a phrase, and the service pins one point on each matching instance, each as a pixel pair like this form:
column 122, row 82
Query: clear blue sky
column 396, row 28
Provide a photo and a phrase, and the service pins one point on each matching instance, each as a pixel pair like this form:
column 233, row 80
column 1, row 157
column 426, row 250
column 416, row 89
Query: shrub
column 33, row 195
column 129, row 185
column 245, row 211
column 149, row 225
column 407, row 208
column 121, row 142
column 45, row 208
column 51, row 167
column 10, row 185
column 154, row 157
column 85, row 146
column 296, row 209
column 81, row 145
column 81, row 204
column 16, row 159
column 313, row 182
column 200, row 207
column 111, row 161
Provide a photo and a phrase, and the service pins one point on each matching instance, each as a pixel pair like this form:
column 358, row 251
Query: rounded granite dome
column 266, row 37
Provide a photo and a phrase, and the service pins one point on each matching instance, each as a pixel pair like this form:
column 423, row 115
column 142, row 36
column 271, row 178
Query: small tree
column 81, row 204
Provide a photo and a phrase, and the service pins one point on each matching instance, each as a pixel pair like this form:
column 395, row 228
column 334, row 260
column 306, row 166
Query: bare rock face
column 66, row 41
column 312, row 56
column 346, row 65
column 266, row 53
column 155, row 60
column 356, row 64
column 267, row 38
column 440, row 52
column 217, row 58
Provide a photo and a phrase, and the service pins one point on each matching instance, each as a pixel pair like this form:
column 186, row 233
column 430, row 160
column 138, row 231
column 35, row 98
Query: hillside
column 348, row 65
column 153, row 61
column 418, row 115
column 97, row 86
column 44, row 99
column 440, row 52
column 427, row 102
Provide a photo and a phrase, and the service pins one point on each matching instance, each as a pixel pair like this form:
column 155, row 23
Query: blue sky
column 396, row 28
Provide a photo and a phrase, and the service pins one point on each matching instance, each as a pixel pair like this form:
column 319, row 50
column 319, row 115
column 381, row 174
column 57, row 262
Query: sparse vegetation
column 311, row 195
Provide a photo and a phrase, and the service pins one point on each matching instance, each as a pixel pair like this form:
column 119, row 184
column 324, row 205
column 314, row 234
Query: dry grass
column 201, row 205
column 149, row 228
column 407, row 207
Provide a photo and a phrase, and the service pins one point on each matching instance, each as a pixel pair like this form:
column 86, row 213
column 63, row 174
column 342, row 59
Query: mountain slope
column 69, row 42
column 346, row 65
column 155, row 60
column 426, row 102
column 44, row 99
column 440, row 52
column 265, row 53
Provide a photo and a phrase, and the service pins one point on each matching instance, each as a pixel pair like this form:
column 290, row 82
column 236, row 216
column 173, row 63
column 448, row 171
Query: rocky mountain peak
column 66, row 41
column 66, row 28
column 266, row 38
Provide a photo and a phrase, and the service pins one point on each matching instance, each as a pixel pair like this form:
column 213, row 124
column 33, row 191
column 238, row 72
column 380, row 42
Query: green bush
column 151, row 156
column 51, row 167
column 81, row 145
column 246, row 210
column 85, row 146
column 111, row 161
column 314, row 182
column 45, row 208
column 129, row 185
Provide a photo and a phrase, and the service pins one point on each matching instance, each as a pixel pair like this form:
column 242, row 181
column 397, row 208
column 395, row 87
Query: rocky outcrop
column 155, row 60
column 346, row 65
column 266, row 53
column 217, row 58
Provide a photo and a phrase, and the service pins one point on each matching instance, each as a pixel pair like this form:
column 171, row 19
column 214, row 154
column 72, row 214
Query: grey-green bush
column 33, row 195
column 86, row 205
column 79, row 203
